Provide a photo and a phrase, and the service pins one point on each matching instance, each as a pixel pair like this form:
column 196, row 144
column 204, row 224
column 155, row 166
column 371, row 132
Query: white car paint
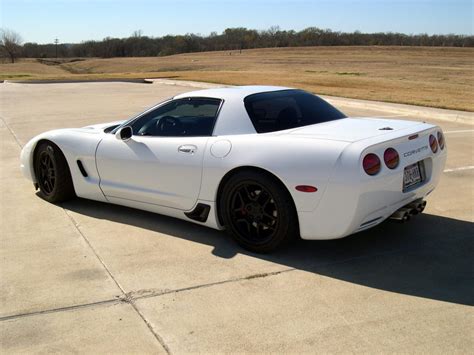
column 151, row 173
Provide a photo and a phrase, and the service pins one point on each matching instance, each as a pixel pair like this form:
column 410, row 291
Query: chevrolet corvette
column 267, row 164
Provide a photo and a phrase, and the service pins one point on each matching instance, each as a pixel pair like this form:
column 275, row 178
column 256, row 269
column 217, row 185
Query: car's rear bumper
column 347, row 208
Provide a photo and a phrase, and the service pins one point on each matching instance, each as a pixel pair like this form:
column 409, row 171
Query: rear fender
column 294, row 161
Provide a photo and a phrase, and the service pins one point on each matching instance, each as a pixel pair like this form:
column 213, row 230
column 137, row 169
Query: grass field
column 427, row 76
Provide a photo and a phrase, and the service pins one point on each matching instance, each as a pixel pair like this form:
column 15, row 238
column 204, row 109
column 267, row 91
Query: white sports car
column 266, row 163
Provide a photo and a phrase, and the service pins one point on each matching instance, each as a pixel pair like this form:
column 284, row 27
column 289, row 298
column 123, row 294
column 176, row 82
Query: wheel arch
column 35, row 152
column 240, row 169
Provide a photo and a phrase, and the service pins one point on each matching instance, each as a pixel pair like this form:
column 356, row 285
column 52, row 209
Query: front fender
column 27, row 153
column 75, row 144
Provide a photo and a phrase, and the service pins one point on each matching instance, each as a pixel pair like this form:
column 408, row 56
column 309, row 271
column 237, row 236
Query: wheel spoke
column 257, row 229
column 238, row 204
column 249, row 193
column 242, row 202
column 254, row 212
column 269, row 216
column 47, row 171
column 264, row 199
column 245, row 221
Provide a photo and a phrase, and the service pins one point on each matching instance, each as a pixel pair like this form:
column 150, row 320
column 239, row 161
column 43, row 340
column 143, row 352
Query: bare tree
column 10, row 42
column 137, row 34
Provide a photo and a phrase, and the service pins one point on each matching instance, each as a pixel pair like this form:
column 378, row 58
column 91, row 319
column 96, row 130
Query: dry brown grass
column 437, row 77
column 26, row 69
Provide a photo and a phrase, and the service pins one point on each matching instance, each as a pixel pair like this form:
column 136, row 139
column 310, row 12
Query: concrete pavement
column 91, row 277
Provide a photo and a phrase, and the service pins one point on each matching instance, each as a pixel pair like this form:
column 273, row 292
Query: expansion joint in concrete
column 125, row 297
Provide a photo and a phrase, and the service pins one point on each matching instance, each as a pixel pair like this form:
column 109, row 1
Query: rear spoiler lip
column 398, row 134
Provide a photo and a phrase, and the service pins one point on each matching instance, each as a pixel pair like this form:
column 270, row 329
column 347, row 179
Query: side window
column 180, row 118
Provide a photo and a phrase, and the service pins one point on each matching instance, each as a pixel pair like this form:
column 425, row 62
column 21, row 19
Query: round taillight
column 441, row 140
column 391, row 158
column 433, row 144
column 371, row 164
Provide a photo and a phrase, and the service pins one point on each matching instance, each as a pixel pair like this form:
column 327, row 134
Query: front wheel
column 258, row 212
column 52, row 174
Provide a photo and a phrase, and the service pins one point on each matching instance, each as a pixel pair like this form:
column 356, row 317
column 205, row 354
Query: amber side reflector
column 306, row 188
column 415, row 136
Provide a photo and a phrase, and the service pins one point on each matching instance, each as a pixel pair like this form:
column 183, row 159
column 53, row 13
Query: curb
column 71, row 81
column 194, row 84
column 407, row 110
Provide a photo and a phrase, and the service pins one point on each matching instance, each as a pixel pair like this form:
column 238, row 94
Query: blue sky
column 76, row 20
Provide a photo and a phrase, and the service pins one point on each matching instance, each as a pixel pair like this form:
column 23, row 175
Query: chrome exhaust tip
column 421, row 206
column 401, row 215
column 405, row 213
column 406, row 216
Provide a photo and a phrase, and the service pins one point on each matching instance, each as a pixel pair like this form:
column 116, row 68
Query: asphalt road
column 90, row 277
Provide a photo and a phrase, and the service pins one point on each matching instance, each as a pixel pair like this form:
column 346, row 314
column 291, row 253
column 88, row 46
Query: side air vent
column 200, row 213
column 81, row 168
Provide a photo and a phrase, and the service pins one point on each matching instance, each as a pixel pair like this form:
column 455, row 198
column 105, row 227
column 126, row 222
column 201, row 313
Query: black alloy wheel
column 258, row 211
column 47, row 171
column 254, row 213
column 52, row 173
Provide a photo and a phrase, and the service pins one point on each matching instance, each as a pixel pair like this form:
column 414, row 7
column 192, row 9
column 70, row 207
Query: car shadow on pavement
column 430, row 256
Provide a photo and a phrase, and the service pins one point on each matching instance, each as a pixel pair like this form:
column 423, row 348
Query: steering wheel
column 169, row 126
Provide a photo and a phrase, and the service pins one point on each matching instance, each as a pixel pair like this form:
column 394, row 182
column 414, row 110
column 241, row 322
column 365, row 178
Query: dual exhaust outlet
column 405, row 213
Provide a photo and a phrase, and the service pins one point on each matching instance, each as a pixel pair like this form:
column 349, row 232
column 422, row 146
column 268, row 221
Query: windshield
column 285, row 109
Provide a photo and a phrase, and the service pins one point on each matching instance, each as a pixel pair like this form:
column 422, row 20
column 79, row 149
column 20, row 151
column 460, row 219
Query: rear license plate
column 412, row 175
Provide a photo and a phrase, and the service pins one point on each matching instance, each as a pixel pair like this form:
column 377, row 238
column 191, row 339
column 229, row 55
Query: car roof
column 232, row 92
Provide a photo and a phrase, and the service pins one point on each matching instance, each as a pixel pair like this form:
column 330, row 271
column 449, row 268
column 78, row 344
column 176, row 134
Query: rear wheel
column 258, row 212
column 52, row 173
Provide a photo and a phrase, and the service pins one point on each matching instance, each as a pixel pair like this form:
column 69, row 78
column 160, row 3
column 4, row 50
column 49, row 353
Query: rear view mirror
column 124, row 133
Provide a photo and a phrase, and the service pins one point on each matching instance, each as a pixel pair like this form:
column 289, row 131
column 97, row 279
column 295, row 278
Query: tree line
column 139, row 45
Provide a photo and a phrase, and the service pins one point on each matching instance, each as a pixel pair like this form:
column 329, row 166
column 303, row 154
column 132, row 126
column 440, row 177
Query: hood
column 351, row 129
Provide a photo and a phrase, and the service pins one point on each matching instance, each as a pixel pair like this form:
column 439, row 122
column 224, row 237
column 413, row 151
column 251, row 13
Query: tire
column 258, row 212
column 52, row 174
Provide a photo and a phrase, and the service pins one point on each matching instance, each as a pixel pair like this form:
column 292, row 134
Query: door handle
column 190, row 149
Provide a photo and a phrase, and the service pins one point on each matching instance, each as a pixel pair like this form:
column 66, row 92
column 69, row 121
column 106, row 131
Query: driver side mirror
column 124, row 133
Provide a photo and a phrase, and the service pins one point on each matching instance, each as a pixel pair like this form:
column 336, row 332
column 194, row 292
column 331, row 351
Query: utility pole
column 56, row 41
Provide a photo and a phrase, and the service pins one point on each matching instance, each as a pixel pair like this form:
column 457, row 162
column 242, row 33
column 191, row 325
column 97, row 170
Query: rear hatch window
column 286, row 109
